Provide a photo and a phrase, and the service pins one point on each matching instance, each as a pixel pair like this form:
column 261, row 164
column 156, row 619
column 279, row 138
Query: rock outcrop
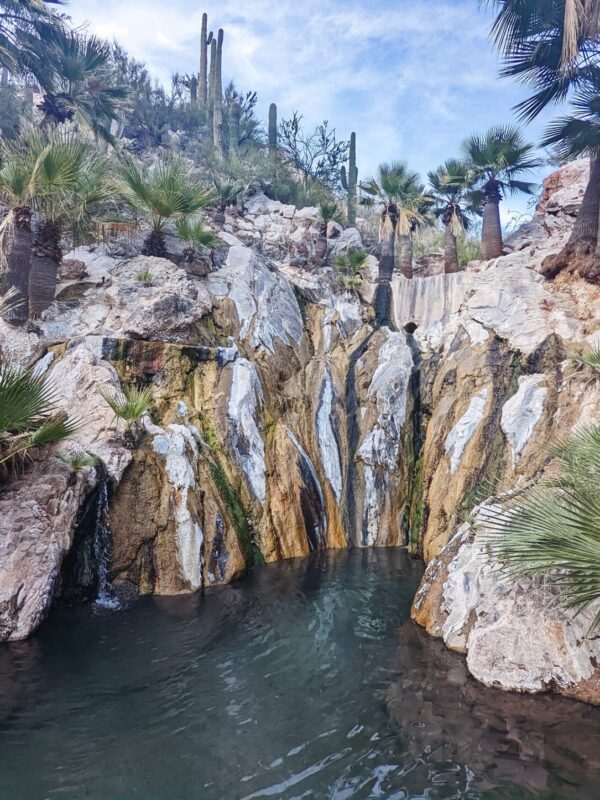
column 285, row 421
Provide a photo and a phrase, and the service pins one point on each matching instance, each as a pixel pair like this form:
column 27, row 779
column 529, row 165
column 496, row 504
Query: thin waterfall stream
column 102, row 549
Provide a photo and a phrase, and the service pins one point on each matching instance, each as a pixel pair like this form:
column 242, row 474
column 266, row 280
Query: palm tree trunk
column 406, row 255
column 584, row 236
column 583, row 240
column 154, row 245
column 491, row 234
column 450, row 252
column 386, row 262
column 19, row 264
column 46, row 258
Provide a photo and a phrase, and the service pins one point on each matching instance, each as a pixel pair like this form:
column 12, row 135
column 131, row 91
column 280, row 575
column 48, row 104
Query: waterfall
column 311, row 499
column 102, row 547
column 85, row 571
column 426, row 301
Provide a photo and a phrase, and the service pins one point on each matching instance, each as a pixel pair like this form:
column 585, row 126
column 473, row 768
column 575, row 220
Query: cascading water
column 85, row 575
column 102, row 549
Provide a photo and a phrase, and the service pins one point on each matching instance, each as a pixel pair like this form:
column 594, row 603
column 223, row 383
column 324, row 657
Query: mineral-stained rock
column 516, row 636
column 285, row 421
column 38, row 512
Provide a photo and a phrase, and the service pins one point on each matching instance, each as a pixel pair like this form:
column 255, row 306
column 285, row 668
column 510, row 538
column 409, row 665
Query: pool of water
column 304, row 680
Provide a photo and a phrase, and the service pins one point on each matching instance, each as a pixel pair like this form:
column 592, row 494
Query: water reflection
column 305, row 680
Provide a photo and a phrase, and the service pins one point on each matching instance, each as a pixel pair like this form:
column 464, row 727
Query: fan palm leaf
column 554, row 529
column 28, row 412
column 131, row 404
column 167, row 191
column 196, row 232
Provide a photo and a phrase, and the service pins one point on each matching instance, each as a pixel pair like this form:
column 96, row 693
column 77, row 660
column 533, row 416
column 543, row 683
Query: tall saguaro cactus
column 205, row 41
column 218, row 98
column 211, row 77
column 272, row 128
column 235, row 116
column 350, row 182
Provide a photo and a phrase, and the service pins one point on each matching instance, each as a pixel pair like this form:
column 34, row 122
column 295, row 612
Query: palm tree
column 400, row 197
column 68, row 178
column 454, row 203
column 166, row 192
column 576, row 135
column 494, row 160
column 27, row 30
column 79, row 84
column 16, row 236
column 552, row 45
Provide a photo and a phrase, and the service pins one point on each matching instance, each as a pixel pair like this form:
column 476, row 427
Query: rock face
column 284, row 421
column 514, row 636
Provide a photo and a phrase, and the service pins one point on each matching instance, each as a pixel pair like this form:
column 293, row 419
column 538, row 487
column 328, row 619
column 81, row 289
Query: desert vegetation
column 105, row 142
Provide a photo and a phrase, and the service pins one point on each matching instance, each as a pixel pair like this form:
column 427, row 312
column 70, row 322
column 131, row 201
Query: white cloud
column 412, row 79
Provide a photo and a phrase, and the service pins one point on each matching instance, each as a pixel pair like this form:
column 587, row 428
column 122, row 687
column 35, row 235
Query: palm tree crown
column 495, row 159
column 168, row 191
column 79, row 84
column 27, row 29
column 455, row 203
column 400, row 196
column 546, row 43
column 553, row 45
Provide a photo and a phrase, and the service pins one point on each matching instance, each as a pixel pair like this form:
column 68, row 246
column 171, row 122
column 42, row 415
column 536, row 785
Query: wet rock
column 515, row 636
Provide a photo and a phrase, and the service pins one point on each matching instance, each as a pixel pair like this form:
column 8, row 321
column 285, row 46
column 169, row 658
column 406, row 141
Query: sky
column 412, row 78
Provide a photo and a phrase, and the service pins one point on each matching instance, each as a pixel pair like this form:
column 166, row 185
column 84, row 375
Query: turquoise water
column 304, row 680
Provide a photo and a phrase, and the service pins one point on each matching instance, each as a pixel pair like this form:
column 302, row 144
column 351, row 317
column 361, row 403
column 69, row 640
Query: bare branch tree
column 317, row 154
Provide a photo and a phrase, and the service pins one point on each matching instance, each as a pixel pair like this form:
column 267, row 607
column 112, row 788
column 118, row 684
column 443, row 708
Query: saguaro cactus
column 218, row 98
column 194, row 90
column 211, row 79
column 235, row 116
column 273, row 128
column 350, row 182
column 205, row 41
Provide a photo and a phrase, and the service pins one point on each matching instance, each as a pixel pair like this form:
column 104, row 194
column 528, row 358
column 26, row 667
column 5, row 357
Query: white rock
column 461, row 434
column 243, row 410
column 522, row 412
column 389, row 391
column 178, row 445
column 326, row 437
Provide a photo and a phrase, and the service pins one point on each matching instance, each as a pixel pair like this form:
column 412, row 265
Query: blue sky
column 412, row 78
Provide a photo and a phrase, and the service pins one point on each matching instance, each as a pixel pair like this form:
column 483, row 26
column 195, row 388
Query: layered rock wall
column 285, row 421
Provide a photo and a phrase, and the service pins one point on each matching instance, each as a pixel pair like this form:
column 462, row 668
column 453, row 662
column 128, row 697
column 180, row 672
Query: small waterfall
column 353, row 434
column 426, row 301
column 102, row 548
column 312, row 501
column 85, row 573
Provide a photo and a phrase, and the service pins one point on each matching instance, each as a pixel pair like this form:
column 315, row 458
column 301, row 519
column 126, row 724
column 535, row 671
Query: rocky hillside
column 285, row 421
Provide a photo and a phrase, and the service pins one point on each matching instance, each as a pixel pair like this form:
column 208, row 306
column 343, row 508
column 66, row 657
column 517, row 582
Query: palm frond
column 78, row 459
column 590, row 360
column 131, row 405
column 554, row 529
column 169, row 190
column 195, row 231
column 28, row 412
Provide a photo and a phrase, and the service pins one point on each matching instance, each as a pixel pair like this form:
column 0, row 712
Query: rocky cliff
column 286, row 421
